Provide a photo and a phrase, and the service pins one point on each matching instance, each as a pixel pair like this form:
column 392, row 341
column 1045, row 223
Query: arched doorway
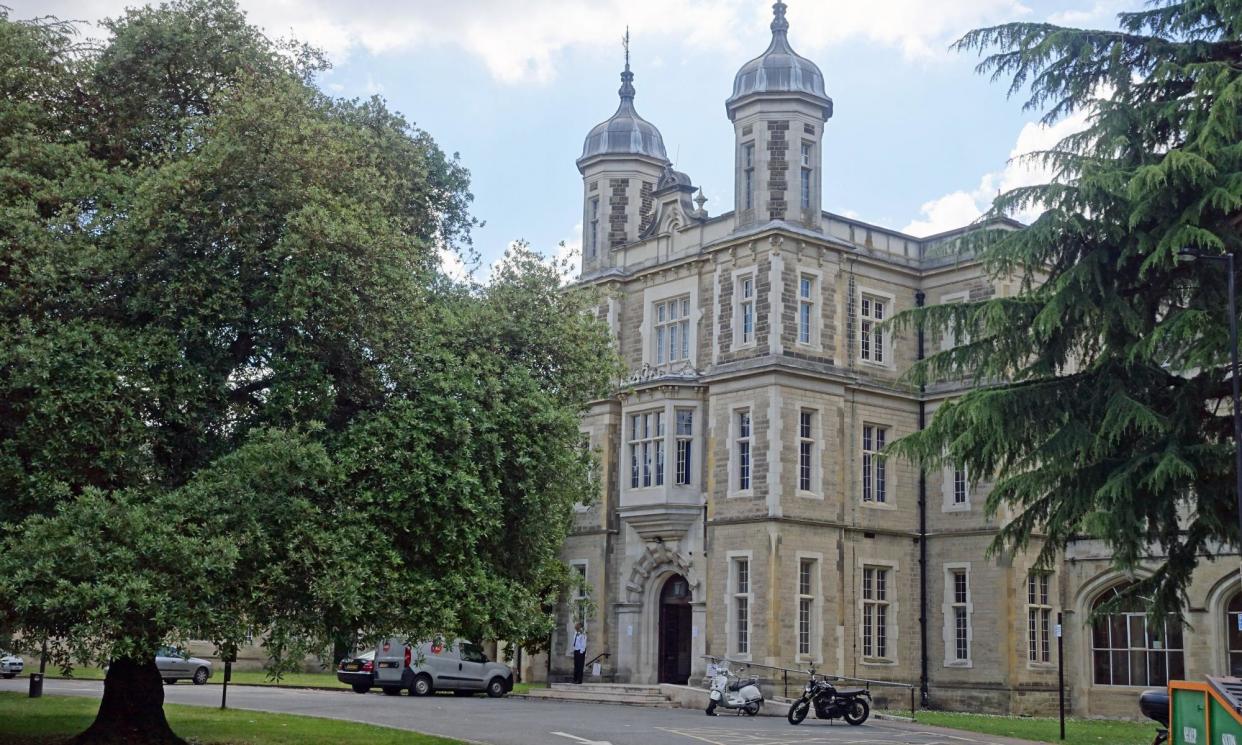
column 675, row 625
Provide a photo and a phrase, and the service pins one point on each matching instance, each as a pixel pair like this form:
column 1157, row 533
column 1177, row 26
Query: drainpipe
column 919, row 298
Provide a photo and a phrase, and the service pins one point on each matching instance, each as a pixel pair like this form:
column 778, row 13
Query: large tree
column 1103, row 399
column 237, row 396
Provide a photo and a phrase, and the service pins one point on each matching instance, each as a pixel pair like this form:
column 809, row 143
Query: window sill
column 1043, row 667
column 810, row 347
column 743, row 347
column 810, row 495
column 959, row 664
column 878, row 662
column 877, row 365
column 747, row 494
column 873, row 505
column 956, row 507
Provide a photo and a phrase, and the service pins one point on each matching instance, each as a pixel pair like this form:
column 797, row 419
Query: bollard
column 36, row 685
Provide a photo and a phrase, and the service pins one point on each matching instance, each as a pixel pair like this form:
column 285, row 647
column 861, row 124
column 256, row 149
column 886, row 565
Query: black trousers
column 579, row 662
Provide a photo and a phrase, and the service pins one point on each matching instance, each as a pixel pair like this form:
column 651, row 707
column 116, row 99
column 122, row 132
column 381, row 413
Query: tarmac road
column 517, row 721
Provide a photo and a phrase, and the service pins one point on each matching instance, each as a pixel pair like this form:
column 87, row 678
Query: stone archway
column 638, row 618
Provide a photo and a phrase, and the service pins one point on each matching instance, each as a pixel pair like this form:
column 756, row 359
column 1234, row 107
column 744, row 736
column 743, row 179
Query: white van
column 423, row 669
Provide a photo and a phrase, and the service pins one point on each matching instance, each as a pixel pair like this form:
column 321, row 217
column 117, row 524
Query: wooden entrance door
column 675, row 631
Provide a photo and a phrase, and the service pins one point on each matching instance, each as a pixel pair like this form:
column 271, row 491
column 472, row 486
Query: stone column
column 698, row 639
column 629, row 635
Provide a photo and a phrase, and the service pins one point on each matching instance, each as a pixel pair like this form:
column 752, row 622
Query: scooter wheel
column 751, row 709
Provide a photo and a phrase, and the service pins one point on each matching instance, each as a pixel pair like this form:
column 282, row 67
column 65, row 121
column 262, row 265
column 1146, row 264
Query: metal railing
column 800, row 676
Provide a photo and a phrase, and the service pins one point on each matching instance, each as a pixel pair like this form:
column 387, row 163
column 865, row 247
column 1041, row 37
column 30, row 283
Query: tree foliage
column 237, row 396
column 1103, row 399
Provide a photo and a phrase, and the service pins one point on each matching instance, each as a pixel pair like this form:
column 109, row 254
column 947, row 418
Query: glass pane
column 1158, row 675
column 1235, row 664
column 1121, row 668
column 1138, row 632
column 1176, row 669
column 1103, row 674
column 1138, row 668
column 1099, row 634
column 1235, row 636
column 1174, row 639
column 1117, row 625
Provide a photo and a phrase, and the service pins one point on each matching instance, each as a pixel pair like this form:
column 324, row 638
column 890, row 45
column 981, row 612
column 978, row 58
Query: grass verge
column 52, row 719
column 1077, row 731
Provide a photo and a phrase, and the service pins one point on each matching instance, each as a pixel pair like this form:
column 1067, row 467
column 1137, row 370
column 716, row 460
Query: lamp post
column 1227, row 259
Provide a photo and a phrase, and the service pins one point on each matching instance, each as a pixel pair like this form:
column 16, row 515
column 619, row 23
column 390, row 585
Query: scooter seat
column 850, row 691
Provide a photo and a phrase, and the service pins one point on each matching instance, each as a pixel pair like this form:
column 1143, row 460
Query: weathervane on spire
column 627, row 77
column 625, row 44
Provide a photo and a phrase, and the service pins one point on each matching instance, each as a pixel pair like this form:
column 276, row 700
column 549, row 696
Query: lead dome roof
column 779, row 69
column 625, row 132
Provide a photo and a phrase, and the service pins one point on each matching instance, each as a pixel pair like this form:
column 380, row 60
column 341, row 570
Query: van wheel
column 390, row 691
column 361, row 688
column 495, row 688
column 421, row 686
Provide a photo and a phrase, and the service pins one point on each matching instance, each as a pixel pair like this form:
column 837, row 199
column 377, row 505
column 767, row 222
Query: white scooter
column 731, row 692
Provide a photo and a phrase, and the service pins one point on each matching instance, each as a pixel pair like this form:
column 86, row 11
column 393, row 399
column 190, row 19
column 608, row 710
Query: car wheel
column 200, row 676
column 10, row 676
column 361, row 688
column 421, row 686
column 390, row 691
column 170, row 681
column 495, row 688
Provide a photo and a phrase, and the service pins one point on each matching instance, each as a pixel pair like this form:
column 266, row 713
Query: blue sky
column 918, row 141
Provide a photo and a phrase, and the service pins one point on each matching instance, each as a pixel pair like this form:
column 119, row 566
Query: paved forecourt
column 516, row 721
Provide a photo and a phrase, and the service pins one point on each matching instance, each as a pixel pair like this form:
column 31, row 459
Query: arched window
column 1129, row 650
column 1232, row 616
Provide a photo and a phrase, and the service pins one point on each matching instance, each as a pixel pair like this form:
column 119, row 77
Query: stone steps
column 604, row 693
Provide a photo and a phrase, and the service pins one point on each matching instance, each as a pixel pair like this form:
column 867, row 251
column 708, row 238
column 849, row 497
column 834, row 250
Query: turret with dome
column 622, row 161
column 778, row 109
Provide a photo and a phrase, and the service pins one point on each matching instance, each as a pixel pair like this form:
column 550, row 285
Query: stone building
column 745, row 512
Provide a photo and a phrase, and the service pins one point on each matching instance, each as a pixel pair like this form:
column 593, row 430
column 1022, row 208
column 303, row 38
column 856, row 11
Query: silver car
column 458, row 666
column 10, row 665
column 174, row 665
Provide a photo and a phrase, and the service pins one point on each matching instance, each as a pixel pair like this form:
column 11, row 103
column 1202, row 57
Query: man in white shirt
column 579, row 652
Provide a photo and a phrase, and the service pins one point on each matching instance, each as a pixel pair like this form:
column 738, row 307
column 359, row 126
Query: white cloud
column 959, row 208
column 523, row 41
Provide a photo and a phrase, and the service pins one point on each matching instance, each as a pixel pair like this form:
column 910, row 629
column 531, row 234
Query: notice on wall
column 694, row 632
column 629, row 630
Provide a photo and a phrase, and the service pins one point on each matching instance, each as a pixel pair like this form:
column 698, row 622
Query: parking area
column 516, row 721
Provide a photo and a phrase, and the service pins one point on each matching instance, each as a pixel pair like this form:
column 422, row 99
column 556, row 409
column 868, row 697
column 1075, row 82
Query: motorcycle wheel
column 751, row 709
column 798, row 711
column 858, row 712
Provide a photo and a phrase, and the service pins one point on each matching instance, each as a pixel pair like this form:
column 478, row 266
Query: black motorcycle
column 851, row 704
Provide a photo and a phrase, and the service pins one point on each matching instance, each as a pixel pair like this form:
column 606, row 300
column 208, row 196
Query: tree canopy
column 1103, row 400
column 237, row 395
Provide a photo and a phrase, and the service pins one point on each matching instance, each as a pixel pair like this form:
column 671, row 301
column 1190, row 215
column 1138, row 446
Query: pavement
column 516, row 721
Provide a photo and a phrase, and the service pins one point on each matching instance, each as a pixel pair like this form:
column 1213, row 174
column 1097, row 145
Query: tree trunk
column 132, row 710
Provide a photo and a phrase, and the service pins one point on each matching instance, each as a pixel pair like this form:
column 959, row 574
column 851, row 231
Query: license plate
column 391, row 664
column 352, row 667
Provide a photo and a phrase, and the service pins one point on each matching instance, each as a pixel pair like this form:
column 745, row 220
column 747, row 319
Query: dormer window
column 672, row 330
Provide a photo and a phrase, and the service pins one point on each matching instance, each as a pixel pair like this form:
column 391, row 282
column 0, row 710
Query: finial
column 627, row 77
column 700, row 200
column 779, row 23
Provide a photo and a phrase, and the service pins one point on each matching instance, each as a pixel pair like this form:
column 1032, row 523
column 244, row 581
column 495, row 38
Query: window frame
column 593, row 243
column 736, row 439
column 948, row 338
column 889, row 605
column 683, row 445
column 740, row 303
column 1112, row 651
column 814, row 618
column 949, row 488
column 867, row 332
column 807, row 184
column 677, row 309
column 958, row 610
column 650, row 472
column 734, row 597
column 748, row 174
column 876, row 480
column 816, row 462
column 1039, row 625
column 814, row 301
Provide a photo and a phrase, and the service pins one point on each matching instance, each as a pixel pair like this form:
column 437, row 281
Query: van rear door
column 389, row 663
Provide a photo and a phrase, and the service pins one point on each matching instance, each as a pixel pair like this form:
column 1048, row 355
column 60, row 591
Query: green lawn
column 1077, row 731
column 48, row 720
